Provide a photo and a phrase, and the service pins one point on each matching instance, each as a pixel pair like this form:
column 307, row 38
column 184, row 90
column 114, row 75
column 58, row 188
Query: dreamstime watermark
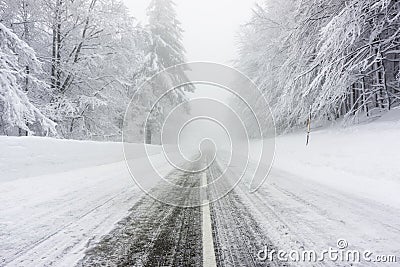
column 182, row 128
column 340, row 253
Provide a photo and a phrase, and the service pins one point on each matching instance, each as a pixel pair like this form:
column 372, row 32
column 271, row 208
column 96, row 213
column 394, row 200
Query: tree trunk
column 67, row 82
column 384, row 84
column 364, row 97
column 26, row 38
column 58, row 60
column 148, row 134
column 56, row 53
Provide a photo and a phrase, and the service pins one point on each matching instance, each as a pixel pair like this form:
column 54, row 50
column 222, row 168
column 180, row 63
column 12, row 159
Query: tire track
column 155, row 234
column 237, row 235
column 27, row 249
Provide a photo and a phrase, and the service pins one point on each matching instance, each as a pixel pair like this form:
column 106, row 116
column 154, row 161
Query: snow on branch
column 17, row 109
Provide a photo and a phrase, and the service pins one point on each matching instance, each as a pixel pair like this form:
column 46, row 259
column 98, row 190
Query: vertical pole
column 309, row 127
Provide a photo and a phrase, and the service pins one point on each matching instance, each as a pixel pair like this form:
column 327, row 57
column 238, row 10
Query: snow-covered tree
column 100, row 64
column 166, row 50
column 17, row 109
column 94, row 58
column 332, row 58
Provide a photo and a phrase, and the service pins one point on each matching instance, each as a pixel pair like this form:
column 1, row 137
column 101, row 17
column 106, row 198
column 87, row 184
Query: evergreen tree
column 167, row 47
column 166, row 50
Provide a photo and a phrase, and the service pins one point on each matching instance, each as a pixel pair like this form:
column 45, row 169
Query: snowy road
column 48, row 229
column 298, row 214
column 96, row 215
column 156, row 234
column 52, row 219
column 287, row 213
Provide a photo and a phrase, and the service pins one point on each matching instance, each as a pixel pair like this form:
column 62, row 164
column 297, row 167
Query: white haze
column 210, row 26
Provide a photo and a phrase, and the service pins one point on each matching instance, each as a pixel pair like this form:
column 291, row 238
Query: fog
column 210, row 26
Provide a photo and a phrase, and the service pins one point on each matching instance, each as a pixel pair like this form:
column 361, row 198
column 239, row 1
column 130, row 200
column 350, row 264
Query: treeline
column 69, row 68
column 331, row 58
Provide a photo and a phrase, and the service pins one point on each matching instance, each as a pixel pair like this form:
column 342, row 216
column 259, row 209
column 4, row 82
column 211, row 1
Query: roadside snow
column 33, row 156
column 361, row 160
column 58, row 197
column 344, row 185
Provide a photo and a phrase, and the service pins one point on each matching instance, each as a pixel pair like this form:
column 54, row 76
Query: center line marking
column 208, row 242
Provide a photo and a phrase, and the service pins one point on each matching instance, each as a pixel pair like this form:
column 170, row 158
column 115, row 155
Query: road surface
column 157, row 234
column 287, row 213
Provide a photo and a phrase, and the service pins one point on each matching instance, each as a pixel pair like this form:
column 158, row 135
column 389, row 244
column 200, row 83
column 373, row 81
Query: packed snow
column 58, row 197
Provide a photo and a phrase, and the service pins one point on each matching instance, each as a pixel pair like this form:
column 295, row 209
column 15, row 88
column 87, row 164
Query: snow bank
column 24, row 157
column 59, row 197
column 362, row 160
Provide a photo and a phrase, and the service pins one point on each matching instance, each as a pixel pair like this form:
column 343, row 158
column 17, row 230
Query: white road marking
column 208, row 243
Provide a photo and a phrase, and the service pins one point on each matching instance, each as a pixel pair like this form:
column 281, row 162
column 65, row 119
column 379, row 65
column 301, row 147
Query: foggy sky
column 210, row 26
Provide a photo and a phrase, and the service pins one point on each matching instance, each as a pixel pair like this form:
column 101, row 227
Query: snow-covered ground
column 58, row 196
column 344, row 185
column 361, row 160
column 32, row 156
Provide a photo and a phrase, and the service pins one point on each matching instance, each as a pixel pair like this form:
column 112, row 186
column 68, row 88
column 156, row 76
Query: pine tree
column 166, row 50
column 167, row 34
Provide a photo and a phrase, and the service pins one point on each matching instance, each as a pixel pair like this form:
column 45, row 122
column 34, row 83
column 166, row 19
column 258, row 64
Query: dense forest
column 68, row 68
column 336, row 60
